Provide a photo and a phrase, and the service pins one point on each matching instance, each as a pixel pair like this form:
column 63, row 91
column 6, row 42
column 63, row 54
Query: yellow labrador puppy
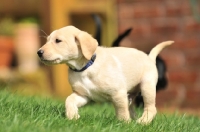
column 103, row 74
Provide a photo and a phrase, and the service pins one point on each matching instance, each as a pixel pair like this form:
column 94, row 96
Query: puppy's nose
column 40, row 53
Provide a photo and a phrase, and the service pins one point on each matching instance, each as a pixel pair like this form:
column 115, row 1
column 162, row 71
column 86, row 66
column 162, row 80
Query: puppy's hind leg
column 120, row 102
column 131, row 98
column 148, row 90
column 131, row 108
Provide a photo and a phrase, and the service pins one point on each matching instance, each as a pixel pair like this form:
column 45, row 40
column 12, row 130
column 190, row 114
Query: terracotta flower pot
column 26, row 45
column 6, row 51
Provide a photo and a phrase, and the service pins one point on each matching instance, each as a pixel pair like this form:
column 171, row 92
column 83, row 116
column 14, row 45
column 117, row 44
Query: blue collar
column 91, row 61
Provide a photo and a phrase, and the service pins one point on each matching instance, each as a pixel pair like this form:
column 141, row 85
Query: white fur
column 116, row 72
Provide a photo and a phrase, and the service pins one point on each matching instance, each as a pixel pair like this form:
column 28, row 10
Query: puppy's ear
column 87, row 43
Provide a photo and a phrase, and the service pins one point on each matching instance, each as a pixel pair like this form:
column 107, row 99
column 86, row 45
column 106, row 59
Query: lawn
column 37, row 114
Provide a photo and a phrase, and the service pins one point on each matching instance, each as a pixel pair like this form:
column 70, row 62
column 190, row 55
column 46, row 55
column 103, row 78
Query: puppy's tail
column 156, row 50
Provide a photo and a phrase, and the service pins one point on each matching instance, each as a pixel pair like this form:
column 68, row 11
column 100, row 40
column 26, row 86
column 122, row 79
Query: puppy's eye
column 58, row 41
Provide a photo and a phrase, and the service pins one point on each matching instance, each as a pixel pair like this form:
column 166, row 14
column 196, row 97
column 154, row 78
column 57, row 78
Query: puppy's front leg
column 120, row 102
column 72, row 103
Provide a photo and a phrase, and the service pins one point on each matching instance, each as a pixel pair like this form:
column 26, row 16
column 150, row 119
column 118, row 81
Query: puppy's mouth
column 51, row 62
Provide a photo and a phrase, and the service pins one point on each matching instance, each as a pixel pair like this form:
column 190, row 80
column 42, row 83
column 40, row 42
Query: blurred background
column 24, row 26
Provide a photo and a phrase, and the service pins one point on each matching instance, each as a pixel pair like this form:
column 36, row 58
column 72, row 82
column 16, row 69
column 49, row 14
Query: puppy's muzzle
column 40, row 53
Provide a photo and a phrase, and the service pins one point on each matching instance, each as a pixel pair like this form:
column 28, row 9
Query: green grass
column 34, row 114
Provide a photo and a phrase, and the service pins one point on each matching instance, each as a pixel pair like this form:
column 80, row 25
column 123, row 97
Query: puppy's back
column 129, row 62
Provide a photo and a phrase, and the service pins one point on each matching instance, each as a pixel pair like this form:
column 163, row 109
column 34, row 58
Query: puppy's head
column 65, row 44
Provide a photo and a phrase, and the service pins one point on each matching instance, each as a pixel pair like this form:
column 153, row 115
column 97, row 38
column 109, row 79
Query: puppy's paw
column 144, row 121
column 72, row 116
column 126, row 119
column 147, row 117
column 72, row 112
